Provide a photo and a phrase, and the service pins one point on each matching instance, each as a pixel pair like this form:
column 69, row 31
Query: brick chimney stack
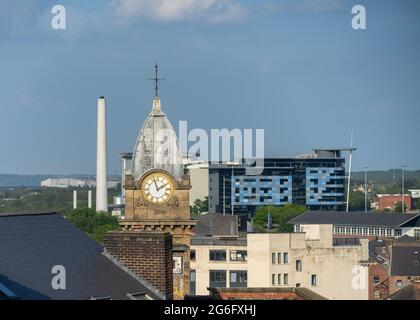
column 147, row 254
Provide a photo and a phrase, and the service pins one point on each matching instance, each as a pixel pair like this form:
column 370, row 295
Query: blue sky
column 294, row 68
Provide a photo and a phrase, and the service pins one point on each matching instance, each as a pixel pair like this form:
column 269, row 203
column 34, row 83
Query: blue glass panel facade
column 261, row 190
column 324, row 186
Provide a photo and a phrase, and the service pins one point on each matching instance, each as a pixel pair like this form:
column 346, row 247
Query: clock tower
column 157, row 191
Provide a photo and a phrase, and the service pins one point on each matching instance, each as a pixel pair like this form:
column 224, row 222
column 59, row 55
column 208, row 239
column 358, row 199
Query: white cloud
column 212, row 11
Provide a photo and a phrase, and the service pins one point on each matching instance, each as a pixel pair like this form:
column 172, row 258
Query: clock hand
column 157, row 188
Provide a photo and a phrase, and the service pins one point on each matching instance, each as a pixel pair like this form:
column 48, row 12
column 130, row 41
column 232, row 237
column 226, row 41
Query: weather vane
column 156, row 80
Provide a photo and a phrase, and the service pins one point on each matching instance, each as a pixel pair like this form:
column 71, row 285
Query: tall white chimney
column 90, row 199
column 101, row 176
column 74, row 199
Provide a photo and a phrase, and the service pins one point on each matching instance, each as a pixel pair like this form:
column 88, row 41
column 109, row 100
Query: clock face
column 157, row 188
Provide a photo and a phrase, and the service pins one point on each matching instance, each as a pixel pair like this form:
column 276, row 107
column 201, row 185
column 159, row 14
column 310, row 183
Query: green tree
column 357, row 201
column 398, row 207
column 279, row 214
column 95, row 224
column 200, row 206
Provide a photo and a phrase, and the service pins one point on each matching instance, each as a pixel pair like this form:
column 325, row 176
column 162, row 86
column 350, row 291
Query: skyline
column 320, row 80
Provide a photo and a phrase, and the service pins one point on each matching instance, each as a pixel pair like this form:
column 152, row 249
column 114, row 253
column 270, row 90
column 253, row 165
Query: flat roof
column 369, row 219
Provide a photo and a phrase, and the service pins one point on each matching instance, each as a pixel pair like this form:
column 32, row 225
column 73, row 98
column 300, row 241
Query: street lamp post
column 224, row 195
column 402, row 189
column 366, row 190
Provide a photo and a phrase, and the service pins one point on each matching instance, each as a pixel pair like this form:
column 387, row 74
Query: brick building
column 264, row 294
column 147, row 254
column 389, row 201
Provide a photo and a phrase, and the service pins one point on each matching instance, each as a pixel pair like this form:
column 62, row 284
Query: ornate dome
column 157, row 145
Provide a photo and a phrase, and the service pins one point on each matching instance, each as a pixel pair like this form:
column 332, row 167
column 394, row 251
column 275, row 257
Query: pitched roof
column 410, row 292
column 32, row 243
column 405, row 261
column 369, row 219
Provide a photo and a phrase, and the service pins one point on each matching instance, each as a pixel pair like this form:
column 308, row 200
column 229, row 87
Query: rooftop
column 32, row 243
column 392, row 220
column 290, row 293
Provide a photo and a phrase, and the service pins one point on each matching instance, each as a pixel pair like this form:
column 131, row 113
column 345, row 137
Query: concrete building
column 199, row 176
column 80, row 182
column 63, row 183
column 307, row 259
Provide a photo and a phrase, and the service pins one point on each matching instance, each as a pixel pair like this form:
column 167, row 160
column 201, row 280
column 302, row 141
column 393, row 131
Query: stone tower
column 157, row 192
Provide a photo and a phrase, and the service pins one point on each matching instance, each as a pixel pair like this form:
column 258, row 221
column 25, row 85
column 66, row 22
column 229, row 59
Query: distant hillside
column 34, row 180
column 17, row 180
column 392, row 176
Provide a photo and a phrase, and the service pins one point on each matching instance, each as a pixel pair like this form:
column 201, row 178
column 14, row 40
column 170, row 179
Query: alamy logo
column 58, row 282
column 359, row 20
column 58, row 21
column 359, row 279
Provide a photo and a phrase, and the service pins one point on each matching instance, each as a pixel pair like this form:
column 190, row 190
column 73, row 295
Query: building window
column 273, row 258
column 371, row 231
column 217, row 255
column 279, row 279
column 417, row 234
column 397, row 232
column 279, row 257
column 238, row 279
column 313, row 280
column 238, row 255
column 298, row 265
column 365, row 231
column 218, row 278
column 399, row 283
column 285, row 279
column 285, row 257
column 192, row 255
column 388, row 232
column 376, row 280
column 377, row 294
column 376, row 231
column 192, row 282
column 273, row 279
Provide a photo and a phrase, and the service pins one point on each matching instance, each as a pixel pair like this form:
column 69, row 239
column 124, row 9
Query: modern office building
column 316, row 180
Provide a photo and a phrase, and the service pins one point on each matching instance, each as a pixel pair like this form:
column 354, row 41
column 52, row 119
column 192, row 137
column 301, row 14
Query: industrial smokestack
column 101, row 175
column 74, row 199
column 90, row 199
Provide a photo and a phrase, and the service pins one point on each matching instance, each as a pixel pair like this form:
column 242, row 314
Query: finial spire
column 156, row 80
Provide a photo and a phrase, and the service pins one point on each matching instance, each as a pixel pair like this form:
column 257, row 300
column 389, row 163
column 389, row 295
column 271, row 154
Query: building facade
column 315, row 180
column 389, row 202
column 280, row 260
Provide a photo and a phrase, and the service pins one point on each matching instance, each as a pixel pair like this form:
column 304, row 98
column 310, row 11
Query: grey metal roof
column 392, row 220
column 410, row 292
column 31, row 244
column 405, row 260
column 217, row 225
